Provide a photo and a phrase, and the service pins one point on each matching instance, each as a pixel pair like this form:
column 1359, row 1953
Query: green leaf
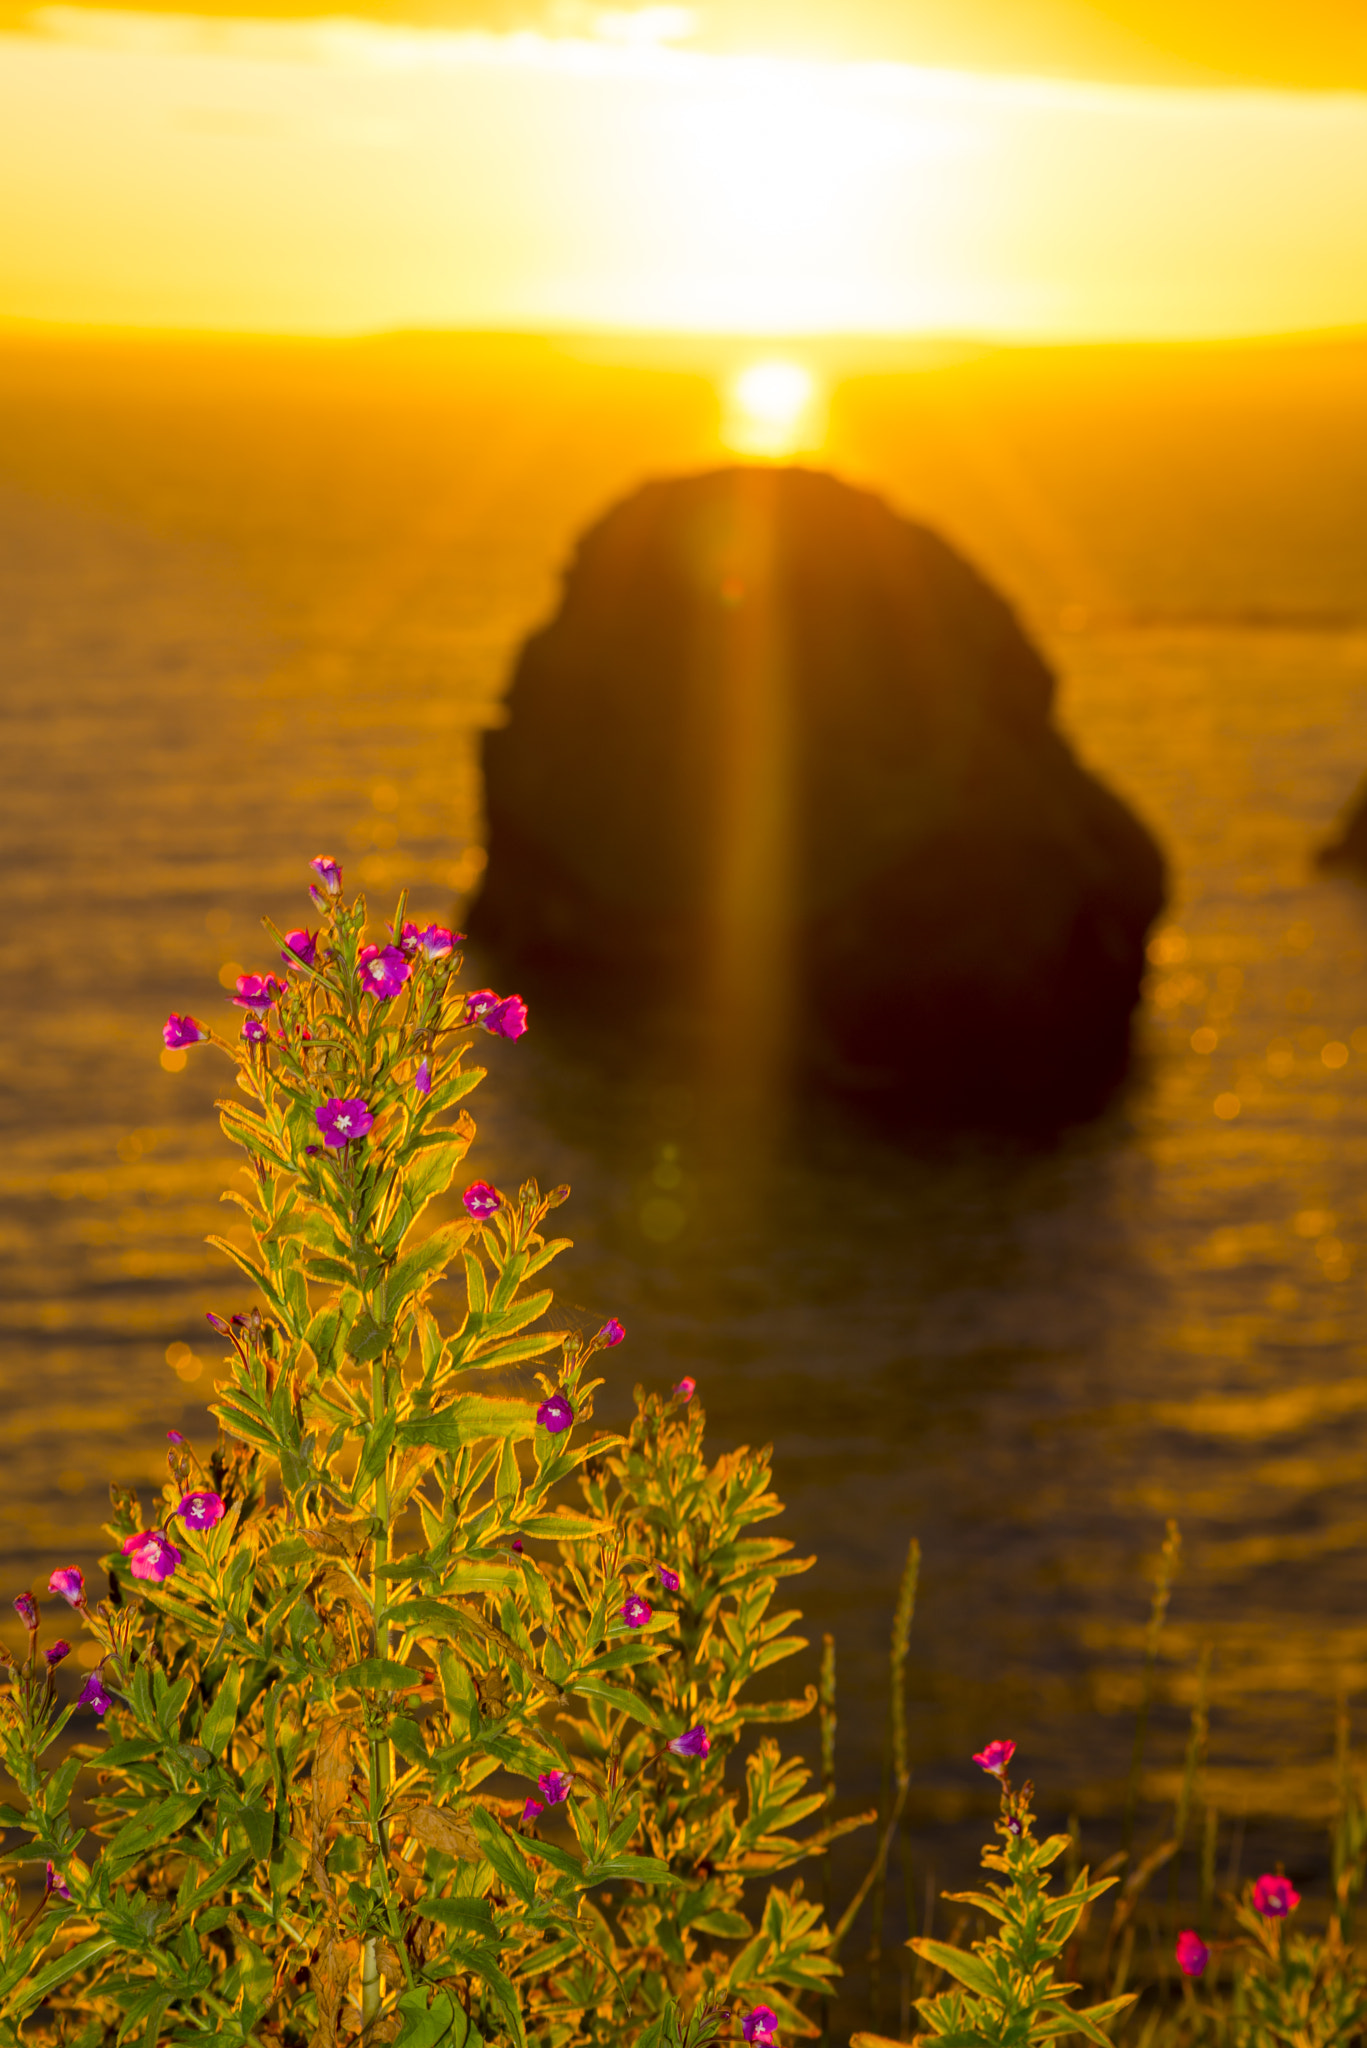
column 377, row 1674
column 220, row 1720
column 151, row 1826
column 442, row 2024
column 643, row 1869
column 616, row 1696
column 504, row 1852
column 367, row 1338
column 471, row 1419
column 970, row 1970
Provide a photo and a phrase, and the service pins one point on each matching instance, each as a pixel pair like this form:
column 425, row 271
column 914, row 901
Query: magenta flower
column 437, row 943
column 69, row 1583
column 532, row 1808
column 1275, row 1897
column 201, row 1510
column 93, row 1694
column 329, row 873
column 343, row 1118
column 635, row 1611
column 758, row 2027
column 407, row 941
column 685, row 1389
column 668, row 1579
column 1192, row 1953
column 507, row 1019
column 300, row 946
column 517, row 1546
column 56, row 1883
column 481, row 1200
column 554, row 1786
column 217, row 1322
column 257, row 991
column 254, row 1031
column 555, row 1414
column 693, row 1742
column 173, row 1436
column 382, row 974
column 611, row 1332
column 178, row 1031
column 26, row 1607
column 422, row 1080
column 152, row 1556
column 995, row 1757
column 479, row 1003
column 56, row 1651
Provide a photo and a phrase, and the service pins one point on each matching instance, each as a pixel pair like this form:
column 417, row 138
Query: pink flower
column 507, row 1019
column 257, row 991
column 422, row 1080
column 995, row 1757
column 758, row 2026
column 1192, row 1953
column 329, row 873
column 56, row 1883
column 201, row 1510
column 1275, row 1897
column 407, row 940
column 668, row 1579
column 341, row 1119
column 69, row 1583
column 611, row 1332
column 437, row 942
column 56, row 1651
column 532, row 1808
column 254, row 1031
column 178, row 1031
column 685, row 1389
column 504, row 1016
column 152, row 1556
column 93, row 1694
column 554, row 1786
column 300, row 946
column 173, row 1436
column 26, row 1607
column 517, row 1546
column 555, row 1414
column 635, row 1611
column 382, row 974
column 481, row 1200
column 693, row 1742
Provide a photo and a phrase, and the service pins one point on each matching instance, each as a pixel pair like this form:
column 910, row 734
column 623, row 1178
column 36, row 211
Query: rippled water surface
column 255, row 603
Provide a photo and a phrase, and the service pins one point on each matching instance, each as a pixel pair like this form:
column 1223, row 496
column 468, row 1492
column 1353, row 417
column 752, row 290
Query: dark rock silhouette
column 785, row 757
column 1348, row 852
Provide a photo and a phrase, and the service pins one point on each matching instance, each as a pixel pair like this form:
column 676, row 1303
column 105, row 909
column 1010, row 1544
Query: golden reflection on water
column 259, row 606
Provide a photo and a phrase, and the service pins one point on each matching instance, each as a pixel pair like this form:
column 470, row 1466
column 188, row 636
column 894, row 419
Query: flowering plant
column 399, row 1751
column 1007, row 1994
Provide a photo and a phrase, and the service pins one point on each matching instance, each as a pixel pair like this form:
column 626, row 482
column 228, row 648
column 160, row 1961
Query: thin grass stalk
column 1169, row 1559
column 895, row 1771
column 1209, row 1845
column 827, row 1719
column 1192, row 1770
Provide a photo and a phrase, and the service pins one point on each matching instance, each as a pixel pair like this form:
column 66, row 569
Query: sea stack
column 784, row 758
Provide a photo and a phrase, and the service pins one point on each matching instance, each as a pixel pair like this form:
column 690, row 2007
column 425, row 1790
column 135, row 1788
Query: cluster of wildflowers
column 372, row 1595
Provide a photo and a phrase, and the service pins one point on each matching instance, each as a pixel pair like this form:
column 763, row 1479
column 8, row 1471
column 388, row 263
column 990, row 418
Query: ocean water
column 259, row 602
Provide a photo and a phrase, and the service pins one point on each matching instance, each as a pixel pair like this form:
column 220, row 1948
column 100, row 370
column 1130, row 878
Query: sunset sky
column 1004, row 167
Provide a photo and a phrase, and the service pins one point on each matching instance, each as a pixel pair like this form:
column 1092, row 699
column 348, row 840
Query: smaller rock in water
column 782, row 752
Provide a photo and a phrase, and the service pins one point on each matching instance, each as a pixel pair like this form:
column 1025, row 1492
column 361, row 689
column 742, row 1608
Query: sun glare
column 772, row 409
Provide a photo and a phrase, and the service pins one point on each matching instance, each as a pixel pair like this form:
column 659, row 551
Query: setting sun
column 771, row 407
